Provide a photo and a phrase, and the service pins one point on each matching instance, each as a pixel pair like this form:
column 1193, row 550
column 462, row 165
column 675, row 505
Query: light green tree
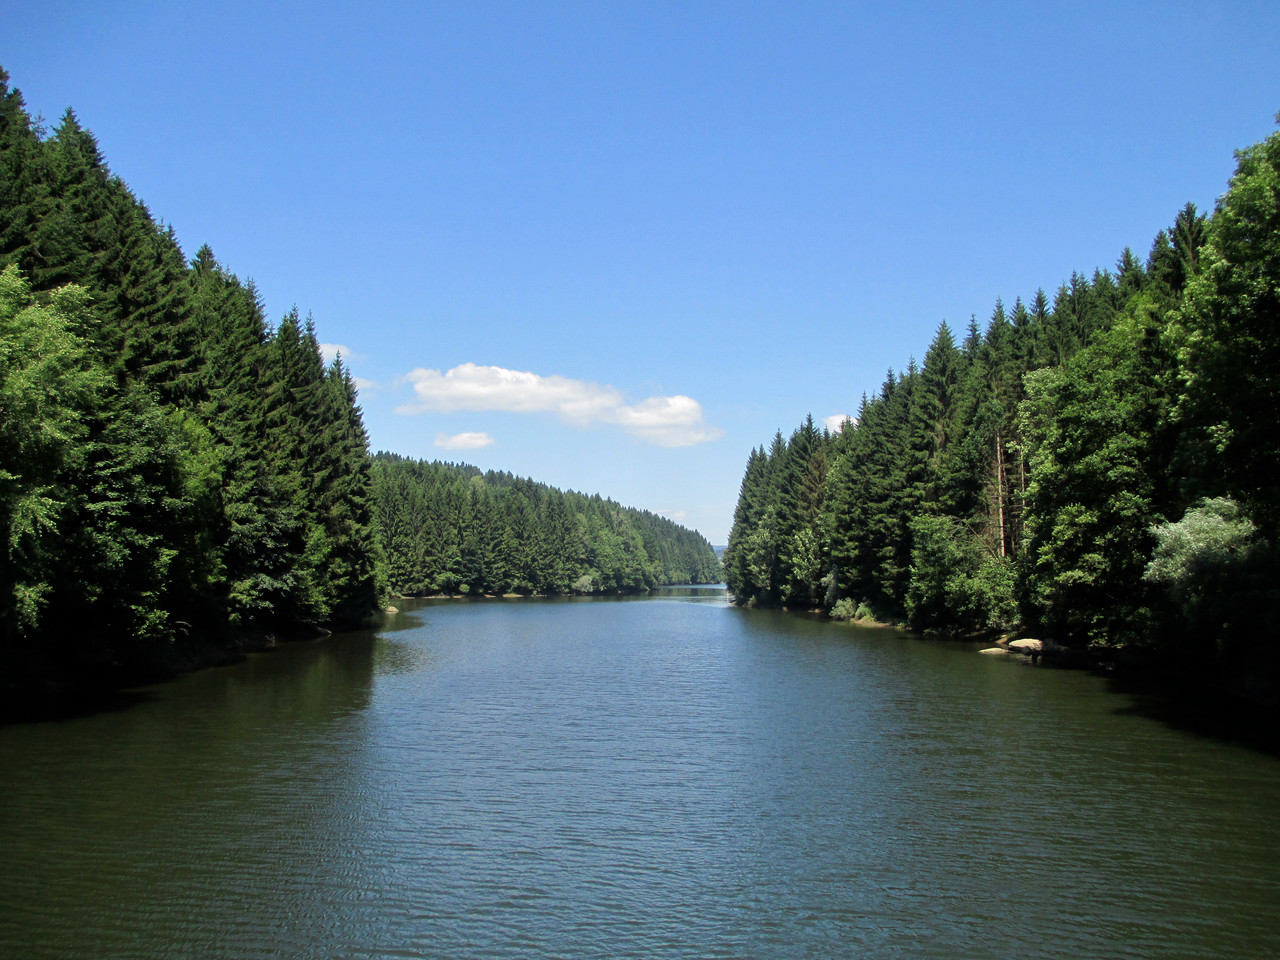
column 49, row 381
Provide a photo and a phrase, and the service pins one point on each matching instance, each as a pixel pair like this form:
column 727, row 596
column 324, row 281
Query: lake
column 659, row 777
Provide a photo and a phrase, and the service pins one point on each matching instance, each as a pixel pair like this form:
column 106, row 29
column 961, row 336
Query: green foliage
column 49, row 388
column 957, row 584
column 171, row 472
column 1217, row 571
column 1040, row 460
column 1200, row 553
column 1098, row 459
column 846, row 608
column 446, row 528
column 1230, row 344
column 843, row 609
column 1221, row 578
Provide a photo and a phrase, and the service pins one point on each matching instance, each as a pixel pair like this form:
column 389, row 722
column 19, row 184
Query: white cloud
column 674, row 421
column 464, row 441
column 678, row 516
column 836, row 421
column 330, row 350
column 364, row 385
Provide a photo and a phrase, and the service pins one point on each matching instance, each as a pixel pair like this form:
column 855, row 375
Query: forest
column 180, row 478
column 178, row 474
column 448, row 528
column 175, row 473
column 1100, row 468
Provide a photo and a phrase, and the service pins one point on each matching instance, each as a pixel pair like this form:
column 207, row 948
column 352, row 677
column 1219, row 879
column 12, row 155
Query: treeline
column 1100, row 467
column 448, row 528
column 174, row 471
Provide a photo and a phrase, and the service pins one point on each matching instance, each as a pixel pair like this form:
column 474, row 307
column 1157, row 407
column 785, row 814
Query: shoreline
column 547, row 596
column 1202, row 698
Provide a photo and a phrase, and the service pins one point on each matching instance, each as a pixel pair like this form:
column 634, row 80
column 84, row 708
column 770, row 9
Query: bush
column 1220, row 576
column 847, row 608
column 1198, row 556
column 843, row 609
column 957, row 585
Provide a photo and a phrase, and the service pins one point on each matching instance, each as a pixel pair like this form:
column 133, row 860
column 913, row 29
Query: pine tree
column 933, row 415
column 746, row 518
column 215, row 479
column 26, row 194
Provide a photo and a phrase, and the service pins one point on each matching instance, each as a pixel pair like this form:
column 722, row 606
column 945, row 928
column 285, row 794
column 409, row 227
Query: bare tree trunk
column 1000, row 492
column 1022, row 498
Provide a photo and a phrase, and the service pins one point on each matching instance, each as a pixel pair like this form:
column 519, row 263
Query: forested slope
column 179, row 476
column 1100, row 466
column 448, row 528
column 174, row 472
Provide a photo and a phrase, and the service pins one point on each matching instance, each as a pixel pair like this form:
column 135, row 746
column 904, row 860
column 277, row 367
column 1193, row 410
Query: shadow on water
column 1180, row 699
column 547, row 778
column 1186, row 701
column 103, row 694
column 65, row 706
column 1194, row 699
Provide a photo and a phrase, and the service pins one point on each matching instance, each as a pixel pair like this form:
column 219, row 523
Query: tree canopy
column 1102, row 468
column 178, row 474
column 175, row 473
column 448, row 528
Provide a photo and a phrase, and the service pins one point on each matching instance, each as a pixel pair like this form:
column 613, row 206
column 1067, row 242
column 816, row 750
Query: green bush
column 849, row 609
column 844, row 609
column 957, row 584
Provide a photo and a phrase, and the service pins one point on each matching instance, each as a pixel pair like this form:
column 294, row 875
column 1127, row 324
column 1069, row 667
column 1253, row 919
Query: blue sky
column 614, row 246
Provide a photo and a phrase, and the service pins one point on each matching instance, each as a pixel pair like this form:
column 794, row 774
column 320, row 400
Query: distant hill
column 448, row 528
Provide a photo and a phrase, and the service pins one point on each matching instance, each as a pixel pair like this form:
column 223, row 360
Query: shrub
column 843, row 609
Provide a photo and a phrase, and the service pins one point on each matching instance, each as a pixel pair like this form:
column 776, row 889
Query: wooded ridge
column 179, row 477
column 448, row 528
column 1100, row 467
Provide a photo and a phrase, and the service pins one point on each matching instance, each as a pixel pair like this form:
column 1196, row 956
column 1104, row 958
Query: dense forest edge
column 448, row 529
column 1099, row 469
column 181, row 480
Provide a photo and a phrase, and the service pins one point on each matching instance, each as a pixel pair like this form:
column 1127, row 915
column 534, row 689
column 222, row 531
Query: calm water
column 665, row 777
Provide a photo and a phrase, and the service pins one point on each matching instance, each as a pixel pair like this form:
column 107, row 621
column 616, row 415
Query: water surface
column 666, row 777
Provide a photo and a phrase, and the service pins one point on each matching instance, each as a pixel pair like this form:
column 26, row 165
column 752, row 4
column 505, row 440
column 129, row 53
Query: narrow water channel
column 666, row 777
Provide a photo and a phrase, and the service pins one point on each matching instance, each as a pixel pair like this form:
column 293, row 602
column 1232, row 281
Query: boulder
column 994, row 650
column 1027, row 645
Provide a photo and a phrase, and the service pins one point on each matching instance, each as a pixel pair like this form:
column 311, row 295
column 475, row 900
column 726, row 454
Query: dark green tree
column 1230, row 341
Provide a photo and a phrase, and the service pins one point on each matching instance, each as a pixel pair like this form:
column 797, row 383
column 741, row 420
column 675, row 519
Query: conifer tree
column 933, row 415
column 446, row 528
column 214, row 480
column 746, row 517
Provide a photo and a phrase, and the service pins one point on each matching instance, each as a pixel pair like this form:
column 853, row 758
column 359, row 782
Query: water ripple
column 669, row 778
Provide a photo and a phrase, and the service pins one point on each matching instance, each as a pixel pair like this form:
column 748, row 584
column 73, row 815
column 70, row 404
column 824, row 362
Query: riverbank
column 36, row 686
column 294, row 803
column 619, row 592
column 1237, row 702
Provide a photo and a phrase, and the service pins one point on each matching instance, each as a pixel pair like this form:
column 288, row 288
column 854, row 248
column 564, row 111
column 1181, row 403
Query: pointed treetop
column 204, row 261
column 997, row 315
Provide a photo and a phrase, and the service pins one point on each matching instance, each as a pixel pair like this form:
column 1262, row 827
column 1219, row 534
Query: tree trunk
column 1000, row 493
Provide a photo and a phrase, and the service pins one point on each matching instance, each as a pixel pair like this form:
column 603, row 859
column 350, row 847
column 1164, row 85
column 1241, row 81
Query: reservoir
column 659, row 777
